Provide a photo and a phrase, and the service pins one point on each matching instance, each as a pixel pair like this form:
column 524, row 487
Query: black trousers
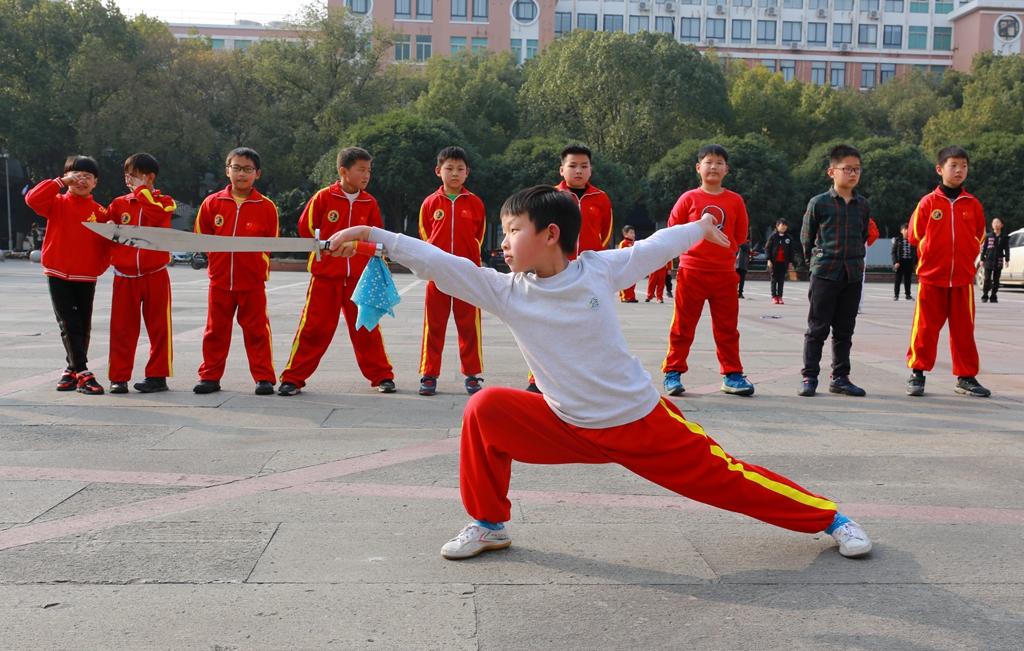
column 992, row 281
column 72, row 305
column 780, row 271
column 903, row 276
column 668, row 283
column 833, row 307
column 743, row 279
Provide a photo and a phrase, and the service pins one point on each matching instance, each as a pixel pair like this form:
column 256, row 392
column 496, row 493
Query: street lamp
column 7, row 179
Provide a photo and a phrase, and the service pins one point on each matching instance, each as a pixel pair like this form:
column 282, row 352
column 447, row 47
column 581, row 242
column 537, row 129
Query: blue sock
column 493, row 526
column 837, row 522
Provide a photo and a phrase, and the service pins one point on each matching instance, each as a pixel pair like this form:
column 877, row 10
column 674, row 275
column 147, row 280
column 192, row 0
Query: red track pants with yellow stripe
column 251, row 306
column 437, row 307
column 718, row 289
column 325, row 301
column 501, row 425
column 936, row 305
column 136, row 299
column 656, row 284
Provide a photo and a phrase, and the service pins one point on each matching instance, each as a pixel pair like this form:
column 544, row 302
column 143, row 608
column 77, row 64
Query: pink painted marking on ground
column 21, row 473
column 141, row 510
column 934, row 513
column 755, row 378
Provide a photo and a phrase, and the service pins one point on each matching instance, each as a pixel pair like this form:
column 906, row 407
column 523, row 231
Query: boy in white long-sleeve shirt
column 584, row 415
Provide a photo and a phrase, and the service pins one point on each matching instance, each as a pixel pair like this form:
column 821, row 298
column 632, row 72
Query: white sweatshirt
column 565, row 325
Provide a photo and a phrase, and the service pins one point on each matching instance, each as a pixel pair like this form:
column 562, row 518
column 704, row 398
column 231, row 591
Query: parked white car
column 1013, row 274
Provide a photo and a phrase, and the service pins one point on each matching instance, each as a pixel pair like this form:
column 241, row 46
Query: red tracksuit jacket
column 948, row 236
column 254, row 217
column 70, row 251
column 596, row 226
column 141, row 208
column 330, row 211
column 704, row 255
column 454, row 225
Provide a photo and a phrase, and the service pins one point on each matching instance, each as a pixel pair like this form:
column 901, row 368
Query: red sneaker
column 87, row 384
column 68, row 381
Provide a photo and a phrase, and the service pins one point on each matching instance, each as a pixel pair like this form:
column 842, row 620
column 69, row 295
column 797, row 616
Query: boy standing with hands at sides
column 453, row 220
column 579, row 418
column 341, row 205
column 778, row 251
column 904, row 259
column 707, row 273
column 628, row 295
column 141, row 283
column 73, row 258
column 238, row 280
column 834, row 240
column 995, row 253
column 947, row 227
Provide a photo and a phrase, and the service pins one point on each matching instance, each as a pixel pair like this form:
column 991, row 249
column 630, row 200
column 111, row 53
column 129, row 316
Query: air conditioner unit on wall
column 845, row 47
column 670, row 8
column 719, row 9
column 823, row 13
column 771, row 11
column 644, row 6
column 712, row 42
column 794, row 45
column 872, row 15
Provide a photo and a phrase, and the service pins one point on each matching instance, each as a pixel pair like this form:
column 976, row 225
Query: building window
column 892, row 36
column 838, row 75
column 612, row 23
column 768, row 63
column 918, row 6
column 743, row 3
column 479, row 11
column 766, row 32
column 689, row 29
column 516, row 46
column 741, row 31
column 943, row 7
column 424, row 9
column 869, row 5
column 766, row 3
column 358, row 6
column 458, row 9
column 424, row 47
column 531, row 48
column 867, row 75
column 817, row 4
column 563, row 22
column 690, row 2
column 917, row 38
column 712, row 3
column 817, row 33
column 792, row 32
column 888, row 72
column 844, row 5
column 716, row 28
column 479, row 45
column 942, row 38
column 867, row 35
column 894, row 6
column 587, row 21
column 842, row 33
column 402, row 48
column 403, row 8
column 244, row 45
column 788, row 69
column 639, row 24
column 818, row 72
column 938, row 69
column 793, row 4
column 524, row 11
column 217, row 43
column 665, row 24
column 458, row 44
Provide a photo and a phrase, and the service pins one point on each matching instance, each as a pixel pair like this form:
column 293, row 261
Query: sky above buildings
column 219, row 12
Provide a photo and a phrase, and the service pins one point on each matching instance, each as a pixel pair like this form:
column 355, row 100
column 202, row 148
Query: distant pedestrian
column 995, row 254
column 779, row 253
column 904, row 260
column 742, row 264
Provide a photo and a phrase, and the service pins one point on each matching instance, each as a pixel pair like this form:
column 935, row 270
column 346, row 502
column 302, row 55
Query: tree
column 629, row 96
column 764, row 104
column 908, row 104
column 996, row 170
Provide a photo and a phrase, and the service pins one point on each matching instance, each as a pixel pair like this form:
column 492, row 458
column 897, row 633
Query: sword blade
column 169, row 239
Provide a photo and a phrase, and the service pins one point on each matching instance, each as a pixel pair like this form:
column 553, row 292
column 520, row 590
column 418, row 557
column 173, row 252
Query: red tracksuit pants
column 718, row 289
column 628, row 294
column 438, row 306
column 136, row 299
column 656, row 284
column 501, row 425
column 251, row 308
column 325, row 301
column 936, row 305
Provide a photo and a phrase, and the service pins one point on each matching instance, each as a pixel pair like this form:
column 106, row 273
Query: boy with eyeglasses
column 834, row 236
column 238, row 280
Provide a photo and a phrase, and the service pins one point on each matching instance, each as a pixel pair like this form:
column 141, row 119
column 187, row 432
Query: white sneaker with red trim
column 473, row 540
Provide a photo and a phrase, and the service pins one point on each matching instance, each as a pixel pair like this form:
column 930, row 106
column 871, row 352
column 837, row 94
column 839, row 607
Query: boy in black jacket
column 904, row 260
column 995, row 252
column 778, row 252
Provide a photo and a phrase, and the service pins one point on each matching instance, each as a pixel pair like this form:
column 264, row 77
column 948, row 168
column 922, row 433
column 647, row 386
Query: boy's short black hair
column 349, row 156
column 627, row 228
column 144, row 163
column 452, row 153
column 905, row 225
column 543, row 205
column 713, row 149
column 839, row 152
column 244, row 152
column 953, row 151
column 575, row 148
column 781, row 221
column 82, row 164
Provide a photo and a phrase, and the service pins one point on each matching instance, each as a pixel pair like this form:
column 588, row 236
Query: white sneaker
column 853, row 542
column 473, row 540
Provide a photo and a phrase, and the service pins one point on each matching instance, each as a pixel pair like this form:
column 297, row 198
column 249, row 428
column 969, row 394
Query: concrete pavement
column 234, row 521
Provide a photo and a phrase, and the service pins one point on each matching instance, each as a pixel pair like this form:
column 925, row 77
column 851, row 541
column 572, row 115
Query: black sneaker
column 119, row 387
column 843, row 385
column 647, row 300
column 206, row 386
column 896, row 297
column 68, row 381
column 87, row 384
column 909, row 297
column 969, row 386
column 386, row 386
column 915, row 385
column 808, row 386
column 288, row 389
column 264, row 388
column 984, row 299
column 533, row 388
column 993, row 300
column 151, row 385
column 740, row 296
